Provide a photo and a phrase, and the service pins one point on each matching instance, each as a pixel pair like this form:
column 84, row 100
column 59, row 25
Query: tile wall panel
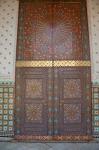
column 8, row 35
column 95, row 110
column 6, row 108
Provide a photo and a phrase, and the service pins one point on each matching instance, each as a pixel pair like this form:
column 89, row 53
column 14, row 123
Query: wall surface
column 8, row 36
column 93, row 18
column 8, row 30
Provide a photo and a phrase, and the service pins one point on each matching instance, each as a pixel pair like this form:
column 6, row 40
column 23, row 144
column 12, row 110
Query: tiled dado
column 6, row 108
column 95, row 112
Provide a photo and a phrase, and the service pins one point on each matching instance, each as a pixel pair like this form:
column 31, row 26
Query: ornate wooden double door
column 53, row 90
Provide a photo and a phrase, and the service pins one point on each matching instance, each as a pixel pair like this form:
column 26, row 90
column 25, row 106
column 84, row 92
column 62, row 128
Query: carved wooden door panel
column 34, row 101
column 72, row 115
column 53, row 90
column 72, row 81
column 34, row 81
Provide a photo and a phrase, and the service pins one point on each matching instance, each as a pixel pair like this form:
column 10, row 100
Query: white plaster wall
column 8, row 34
column 93, row 18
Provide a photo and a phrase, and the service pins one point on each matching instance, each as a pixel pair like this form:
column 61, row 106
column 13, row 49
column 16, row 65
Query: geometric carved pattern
column 38, row 31
column 72, row 110
column 6, row 109
column 34, row 41
column 34, row 88
column 33, row 112
column 72, row 88
column 67, row 24
column 72, row 113
column 33, row 101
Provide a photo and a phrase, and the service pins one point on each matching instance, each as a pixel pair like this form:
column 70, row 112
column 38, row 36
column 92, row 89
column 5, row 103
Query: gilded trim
column 57, row 63
column 33, row 63
column 71, row 63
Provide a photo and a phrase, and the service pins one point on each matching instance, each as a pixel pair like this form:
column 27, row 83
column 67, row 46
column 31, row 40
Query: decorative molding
column 59, row 63
column 71, row 63
column 53, row 138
